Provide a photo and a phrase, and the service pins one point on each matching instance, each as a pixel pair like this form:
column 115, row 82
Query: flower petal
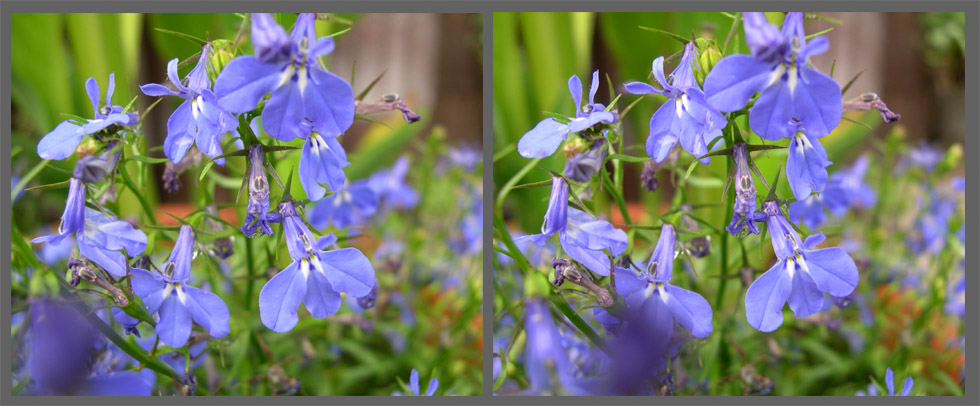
column 156, row 90
column 174, row 326
column 641, row 88
column 765, row 298
column 575, row 89
column 690, row 309
column 329, row 101
column 113, row 262
column 281, row 296
column 733, row 80
column 660, row 140
column 771, row 115
column 309, row 168
column 593, row 87
column 542, row 140
column 284, row 113
column 243, row 82
column 178, row 140
column 61, row 142
column 207, row 310
column 348, row 271
column 321, row 300
column 92, row 89
column 149, row 287
column 817, row 102
column 805, row 299
column 833, row 270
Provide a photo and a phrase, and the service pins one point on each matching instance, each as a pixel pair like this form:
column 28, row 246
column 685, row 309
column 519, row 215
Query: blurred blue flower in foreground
column 801, row 275
column 352, row 205
column 61, row 142
column 686, row 116
column 178, row 303
column 660, row 302
column 413, row 383
column 778, row 69
column 344, row 270
column 289, row 69
column 199, row 119
column 61, row 350
column 890, row 383
column 390, row 187
column 542, row 140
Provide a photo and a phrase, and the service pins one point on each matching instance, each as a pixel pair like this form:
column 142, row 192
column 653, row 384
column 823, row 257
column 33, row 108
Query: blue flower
column 744, row 214
column 390, row 187
column 178, row 303
column 322, row 162
column 545, row 357
column 806, row 166
column 60, row 143
column 542, row 140
column 413, row 383
column 956, row 296
column 800, row 276
column 61, row 349
column 199, row 119
column 686, row 116
column 890, row 383
column 463, row 156
column 470, row 240
column 778, row 69
column 349, row 206
column 582, row 237
column 257, row 213
column 99, row 236
column 845, row 188
column 315, row 277
column 300, row 88
column 659, row 302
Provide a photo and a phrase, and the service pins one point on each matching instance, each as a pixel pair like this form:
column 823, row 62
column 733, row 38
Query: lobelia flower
column 545, row 357
column 583, row 166
column 322, row 162
column 470, row 240
column 686, row 116
column 778, row 69
column 390, row 187
column 199, row 119
column 846, row 188
column 801, row 275
column 582, row 237
column 890, row 383
column 462, row 156
column 257, row 214
column 745, row 215
column 658, row 302
column 177, row 302
column 61, row 142
column 806, row 166
column 98, row 236
column 413, row 383
column 542, row 140
column 61, row 349
column 300, row 88
column 344, row 270
column 349, row 206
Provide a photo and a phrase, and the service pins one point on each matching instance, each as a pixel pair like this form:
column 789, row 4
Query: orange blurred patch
column 183, row 210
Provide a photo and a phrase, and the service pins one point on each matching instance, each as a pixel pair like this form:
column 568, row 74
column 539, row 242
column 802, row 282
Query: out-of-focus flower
column 352, row 205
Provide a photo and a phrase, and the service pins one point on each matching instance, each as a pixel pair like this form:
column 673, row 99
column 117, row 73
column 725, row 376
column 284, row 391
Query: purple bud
column 556, row 217
column 868, row 101
column 649, row 176
column 744, row 193
column 367, row 302
column 256, row 214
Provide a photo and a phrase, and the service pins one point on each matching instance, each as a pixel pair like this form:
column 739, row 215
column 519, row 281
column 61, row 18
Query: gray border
column 972, row 168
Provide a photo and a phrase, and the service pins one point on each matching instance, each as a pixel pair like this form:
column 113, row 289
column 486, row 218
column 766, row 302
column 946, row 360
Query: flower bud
column 708, row 59
column 221, row 54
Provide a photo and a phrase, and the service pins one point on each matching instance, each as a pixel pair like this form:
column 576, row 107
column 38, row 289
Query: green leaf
column 204, row 171
column 148, row 160
column 628, row 158
column 58, row 185
column 670, row 35
column 188, row 37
